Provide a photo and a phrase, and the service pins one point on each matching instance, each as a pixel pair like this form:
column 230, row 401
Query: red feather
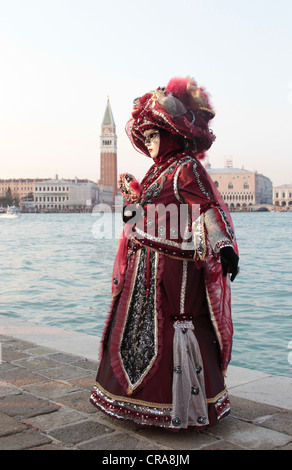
column 135, row 186
column 178, row 87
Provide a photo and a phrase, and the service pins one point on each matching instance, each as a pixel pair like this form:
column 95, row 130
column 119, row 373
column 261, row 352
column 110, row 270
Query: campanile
column 108, row 151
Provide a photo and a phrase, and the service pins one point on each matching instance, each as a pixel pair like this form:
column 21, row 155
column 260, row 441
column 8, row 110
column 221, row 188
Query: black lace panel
column 138, row 346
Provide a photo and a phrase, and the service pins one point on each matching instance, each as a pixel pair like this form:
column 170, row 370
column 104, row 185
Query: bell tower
column 108, row 151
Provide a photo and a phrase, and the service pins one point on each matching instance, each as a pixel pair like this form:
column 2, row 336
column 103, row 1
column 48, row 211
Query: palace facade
column 241, row 188
column 282, row 195
column 65, row 195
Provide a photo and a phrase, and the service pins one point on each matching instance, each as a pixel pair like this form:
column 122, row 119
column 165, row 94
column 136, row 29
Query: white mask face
column 152, row 141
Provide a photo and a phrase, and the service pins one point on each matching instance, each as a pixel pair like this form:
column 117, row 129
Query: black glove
column 132, row 213
column 127, row 214
column 229, row 262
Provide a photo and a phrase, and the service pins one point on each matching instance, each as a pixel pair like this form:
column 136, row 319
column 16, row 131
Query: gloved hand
column 132, row 213
column 229, row 262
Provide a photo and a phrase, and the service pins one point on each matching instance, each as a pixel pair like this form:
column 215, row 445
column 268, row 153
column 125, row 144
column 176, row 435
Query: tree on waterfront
column 8, row 199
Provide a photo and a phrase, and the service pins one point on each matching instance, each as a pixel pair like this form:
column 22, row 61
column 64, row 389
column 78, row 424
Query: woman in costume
column 168, row 338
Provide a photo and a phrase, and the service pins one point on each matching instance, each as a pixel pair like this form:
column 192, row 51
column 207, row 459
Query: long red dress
column 168, row 337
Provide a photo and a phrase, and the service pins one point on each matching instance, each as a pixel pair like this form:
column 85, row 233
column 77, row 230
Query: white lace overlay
column 188, row 388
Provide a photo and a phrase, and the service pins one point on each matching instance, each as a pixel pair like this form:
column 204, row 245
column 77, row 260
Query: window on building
column 216, row 184
column 230, row 186
column 246, row 185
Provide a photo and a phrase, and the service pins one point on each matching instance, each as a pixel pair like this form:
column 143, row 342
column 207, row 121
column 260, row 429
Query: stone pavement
column 44, row 405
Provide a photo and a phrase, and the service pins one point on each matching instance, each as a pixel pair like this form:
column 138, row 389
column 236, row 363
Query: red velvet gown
column 168, row 337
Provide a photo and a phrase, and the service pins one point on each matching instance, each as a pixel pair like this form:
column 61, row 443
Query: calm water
column 56, row 270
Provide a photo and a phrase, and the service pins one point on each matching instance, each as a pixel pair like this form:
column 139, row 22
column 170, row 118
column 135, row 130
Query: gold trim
column 132, row 400
column 217, row 397
column 151, row 404
column 203, row 108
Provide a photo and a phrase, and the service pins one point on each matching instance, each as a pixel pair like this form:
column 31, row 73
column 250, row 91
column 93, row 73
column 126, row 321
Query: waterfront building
column 282, row 195
column 241, row 188
column 20, row 187
column 65, row 195
column 108, row 154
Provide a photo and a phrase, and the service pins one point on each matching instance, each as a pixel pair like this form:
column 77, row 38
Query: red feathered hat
column 181, row 108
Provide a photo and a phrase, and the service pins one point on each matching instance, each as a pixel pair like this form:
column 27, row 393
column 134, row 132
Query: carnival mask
column 152, row 141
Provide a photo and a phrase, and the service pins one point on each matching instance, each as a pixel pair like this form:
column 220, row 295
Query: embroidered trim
column 140, row 412
column 183, row 287
column 221, row 244
column 184, row 325
column 200, row 184
column 155, row 187
column 141, row 340
column 222, row 406
column 127, row 400
column 175, row 179
column 198, row 228
column 225, row 220
column 147, row 413
column 163, row 241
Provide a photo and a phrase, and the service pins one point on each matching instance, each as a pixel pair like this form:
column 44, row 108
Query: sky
column 61, row 59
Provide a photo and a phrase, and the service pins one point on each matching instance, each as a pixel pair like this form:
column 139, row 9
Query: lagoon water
column 56, row 270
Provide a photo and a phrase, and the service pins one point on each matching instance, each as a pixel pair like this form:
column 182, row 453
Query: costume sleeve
column 217, row 238
column 211, row 223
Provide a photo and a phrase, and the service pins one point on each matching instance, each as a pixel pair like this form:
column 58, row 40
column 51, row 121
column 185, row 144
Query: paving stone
column 281, row 422
column 22, row 345
column 8, row 389
column 286, row 447
column 84, row 382
column 51, row 446
column 56, row 419
column 84, row 431
column 50, row 389
column 9, row 354
column 7, row 366
column 63, row 357
column 10, row 425
column 248, row 435
column 26, row 405
column 78, row 400
column 118, row 441
column 222, row 445
column 20, row 376
column 249, row 410
column 36, row 363
column 65, row 372
column 23, row 440
column 87, row 365
column 182, row 440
